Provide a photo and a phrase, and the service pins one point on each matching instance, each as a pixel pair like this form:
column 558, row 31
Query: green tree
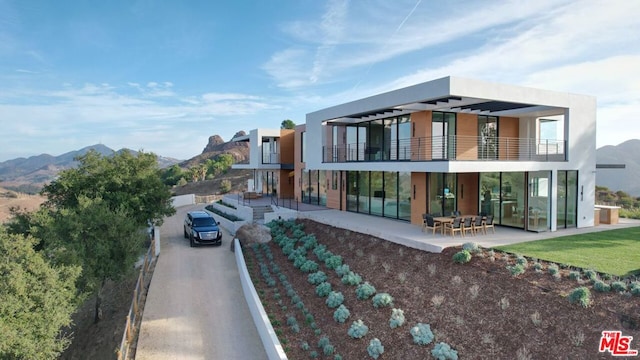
column 36, row 300
column 122, row 181
column 105, row 242
column 171, row 175
column 287, row 124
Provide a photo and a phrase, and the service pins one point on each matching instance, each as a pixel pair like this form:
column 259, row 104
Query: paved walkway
column 195, row 307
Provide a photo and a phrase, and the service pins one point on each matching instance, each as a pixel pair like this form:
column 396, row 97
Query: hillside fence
column 135, row 311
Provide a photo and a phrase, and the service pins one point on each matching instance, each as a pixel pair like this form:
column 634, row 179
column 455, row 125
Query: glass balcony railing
column 271, row 158
column 461, row 148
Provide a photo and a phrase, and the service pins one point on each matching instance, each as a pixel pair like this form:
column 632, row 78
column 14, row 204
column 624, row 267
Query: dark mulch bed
column 478, row 308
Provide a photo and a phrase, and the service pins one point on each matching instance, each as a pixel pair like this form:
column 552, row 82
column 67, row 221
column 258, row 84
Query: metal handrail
column 452, row 147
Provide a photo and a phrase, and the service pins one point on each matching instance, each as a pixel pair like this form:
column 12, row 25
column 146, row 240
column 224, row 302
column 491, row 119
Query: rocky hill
column 217, row 146
column 620, row 179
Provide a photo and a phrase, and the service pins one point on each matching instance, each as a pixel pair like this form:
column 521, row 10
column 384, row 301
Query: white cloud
column 75, row 116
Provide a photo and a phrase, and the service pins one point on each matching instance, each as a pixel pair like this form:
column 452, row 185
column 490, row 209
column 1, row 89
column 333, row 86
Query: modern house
column 271, row 159
column 524, row 155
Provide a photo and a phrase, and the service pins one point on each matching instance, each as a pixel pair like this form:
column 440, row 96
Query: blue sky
column 163, row 76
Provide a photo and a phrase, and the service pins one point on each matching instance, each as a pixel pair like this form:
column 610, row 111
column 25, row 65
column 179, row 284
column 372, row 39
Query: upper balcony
column 449, row 148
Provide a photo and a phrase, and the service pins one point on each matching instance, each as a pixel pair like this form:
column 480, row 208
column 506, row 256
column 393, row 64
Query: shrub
column 471, row 247
column 351, row 278
column 375, row 348
column 309, row 266
column 328, row 350
column 601, row 286
column 341, row 314
column 537, row 266
column 229, row 217
column 591, row 275
column 334, row 299
column 313, row 354
column 397, row 318
column 521, row 260
column 342, row 270
column 305, row 346
column 299, row 261
column 443, row 351
column 225, row 186
column 309, row 241
column 358, row 329
column 324, row 341
column 574, row 275
column 317, row 278
column 422, row 334
column 321, row 252
column 333, row 262
column 291, row 320
column 580, row 295
column 462, row 257
column 382, row 300
column 298, row 233
column 516, row 269
column 553, row 269
column 635, row 288
column 619, row 286
column 365, row 291
column 323, row 289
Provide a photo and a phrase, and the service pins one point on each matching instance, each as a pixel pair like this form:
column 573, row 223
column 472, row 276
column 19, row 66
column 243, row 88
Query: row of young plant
column 421, row 333
column 266, row 271
column 580, row 295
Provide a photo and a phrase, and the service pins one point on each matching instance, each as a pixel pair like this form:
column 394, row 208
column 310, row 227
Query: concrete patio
column 402, row 232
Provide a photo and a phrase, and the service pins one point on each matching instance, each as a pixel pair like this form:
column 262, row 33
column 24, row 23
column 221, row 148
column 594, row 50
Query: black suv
column 201, row 228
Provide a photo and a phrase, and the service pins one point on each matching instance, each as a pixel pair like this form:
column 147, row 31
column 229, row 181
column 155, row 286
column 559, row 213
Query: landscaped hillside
column 479, row 308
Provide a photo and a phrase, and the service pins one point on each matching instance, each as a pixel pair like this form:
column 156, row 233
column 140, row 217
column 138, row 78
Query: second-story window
column 303, row 146
column 487, row 137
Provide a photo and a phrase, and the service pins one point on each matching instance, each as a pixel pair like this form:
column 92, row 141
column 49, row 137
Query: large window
column 380, row 193
column 487, row 137
column 443, row 130
column 442, row 193
column 512, row 200
column 567, row 199
column 539, row 205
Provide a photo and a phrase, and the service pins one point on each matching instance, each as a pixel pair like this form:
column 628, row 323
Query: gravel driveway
column 195, row 307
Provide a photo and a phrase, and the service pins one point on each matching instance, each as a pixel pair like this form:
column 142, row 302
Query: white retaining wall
column 268, row 336
column 183, row 200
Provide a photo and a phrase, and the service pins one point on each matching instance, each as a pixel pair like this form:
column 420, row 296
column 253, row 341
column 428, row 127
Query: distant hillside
column 628, row 179
column 28, row 175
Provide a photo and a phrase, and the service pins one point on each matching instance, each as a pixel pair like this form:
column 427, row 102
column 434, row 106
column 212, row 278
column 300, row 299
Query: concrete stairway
column 259, row 211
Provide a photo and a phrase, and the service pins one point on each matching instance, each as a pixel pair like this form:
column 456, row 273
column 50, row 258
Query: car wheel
column 185, row 233
column 192, row 243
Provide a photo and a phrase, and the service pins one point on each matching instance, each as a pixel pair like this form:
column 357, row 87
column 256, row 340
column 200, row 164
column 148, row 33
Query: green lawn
column 615, row 252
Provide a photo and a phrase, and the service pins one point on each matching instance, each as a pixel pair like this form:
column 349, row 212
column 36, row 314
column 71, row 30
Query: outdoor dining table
column 449, row 219
column 443, row 220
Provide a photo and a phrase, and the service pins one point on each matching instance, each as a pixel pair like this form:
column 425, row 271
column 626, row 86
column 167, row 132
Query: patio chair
column 489, row 224
column 428, row 223
column 453, row 227
column 478, row 225
column 466, row 226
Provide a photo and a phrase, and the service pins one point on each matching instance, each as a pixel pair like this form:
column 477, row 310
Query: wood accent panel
column 298, row 165
column 333, row 196
column 508, row 133
column 421, row 137
column 287, row 146
column 468, row 193
column 466, row 133
column 419, row 202
column 286, row 185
